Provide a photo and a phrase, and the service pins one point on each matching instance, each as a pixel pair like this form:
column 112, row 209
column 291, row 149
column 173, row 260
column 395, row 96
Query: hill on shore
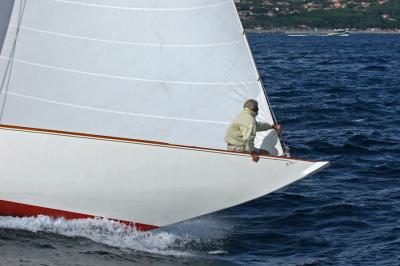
column 328, row 14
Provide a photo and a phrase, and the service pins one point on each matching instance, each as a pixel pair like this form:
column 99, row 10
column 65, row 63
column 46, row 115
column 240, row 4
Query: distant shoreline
column 319, row 31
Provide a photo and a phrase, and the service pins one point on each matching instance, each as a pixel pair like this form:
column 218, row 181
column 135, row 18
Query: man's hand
column 255, row 157
column 278, row 128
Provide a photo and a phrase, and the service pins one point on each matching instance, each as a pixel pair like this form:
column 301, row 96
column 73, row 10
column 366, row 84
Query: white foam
column 101, row 230
column 118, row 235
column 217, row 252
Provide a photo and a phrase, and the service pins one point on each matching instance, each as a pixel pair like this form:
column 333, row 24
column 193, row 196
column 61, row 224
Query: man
column 242, row 130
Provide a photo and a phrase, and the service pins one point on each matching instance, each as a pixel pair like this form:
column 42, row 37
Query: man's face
column 255, row 109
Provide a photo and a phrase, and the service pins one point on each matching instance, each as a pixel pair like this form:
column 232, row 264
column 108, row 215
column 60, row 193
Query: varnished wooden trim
column 146, row 142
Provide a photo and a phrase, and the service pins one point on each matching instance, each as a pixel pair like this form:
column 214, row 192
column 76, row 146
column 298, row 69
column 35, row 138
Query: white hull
column 153, row 184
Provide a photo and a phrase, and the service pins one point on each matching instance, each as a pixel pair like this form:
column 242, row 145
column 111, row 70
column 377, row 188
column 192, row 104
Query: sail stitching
column 130, row 78
column 128, row 43
column 114, row 111
column 142, row 8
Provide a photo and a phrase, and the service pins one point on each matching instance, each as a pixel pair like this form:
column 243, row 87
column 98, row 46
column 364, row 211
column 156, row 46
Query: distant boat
column 309, row 33
column 299, row 35
column 118, row 109
column 339, row 32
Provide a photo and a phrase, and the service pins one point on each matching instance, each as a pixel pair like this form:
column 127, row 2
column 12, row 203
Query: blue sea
column 338, row 100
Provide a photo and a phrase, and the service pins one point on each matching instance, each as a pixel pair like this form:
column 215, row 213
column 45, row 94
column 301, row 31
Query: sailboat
column 118, row 109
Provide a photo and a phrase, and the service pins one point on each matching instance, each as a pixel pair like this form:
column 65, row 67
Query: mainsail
column 175, row 71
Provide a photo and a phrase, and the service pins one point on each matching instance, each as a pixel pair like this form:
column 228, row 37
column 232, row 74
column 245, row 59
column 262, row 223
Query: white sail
column 176, row 71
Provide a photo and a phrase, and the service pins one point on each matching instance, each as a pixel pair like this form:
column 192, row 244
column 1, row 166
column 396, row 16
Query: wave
column 375, row 68
column 115, row 234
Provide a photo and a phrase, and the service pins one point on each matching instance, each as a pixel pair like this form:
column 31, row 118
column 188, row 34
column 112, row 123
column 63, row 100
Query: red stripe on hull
column 8, row 208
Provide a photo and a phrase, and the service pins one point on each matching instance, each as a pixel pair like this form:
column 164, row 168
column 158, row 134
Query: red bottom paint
column 8, row 208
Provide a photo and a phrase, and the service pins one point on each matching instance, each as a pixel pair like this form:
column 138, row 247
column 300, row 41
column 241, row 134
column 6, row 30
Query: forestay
column 176, row 71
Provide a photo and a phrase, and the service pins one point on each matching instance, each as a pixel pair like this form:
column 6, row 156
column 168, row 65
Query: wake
column 118, row 235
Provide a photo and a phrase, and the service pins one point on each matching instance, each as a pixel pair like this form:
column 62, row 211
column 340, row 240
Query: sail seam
column 127, row 43
column 114, row 111
column 141, row 8
column 129, row 78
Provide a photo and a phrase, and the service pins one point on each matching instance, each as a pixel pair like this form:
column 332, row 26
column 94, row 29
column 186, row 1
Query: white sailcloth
column 176, row 71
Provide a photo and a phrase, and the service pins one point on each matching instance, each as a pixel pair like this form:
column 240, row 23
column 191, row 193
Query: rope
column 7, row 75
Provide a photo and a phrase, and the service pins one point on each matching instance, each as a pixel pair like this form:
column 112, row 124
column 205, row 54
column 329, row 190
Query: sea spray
column 114, row 234
column 103, row 231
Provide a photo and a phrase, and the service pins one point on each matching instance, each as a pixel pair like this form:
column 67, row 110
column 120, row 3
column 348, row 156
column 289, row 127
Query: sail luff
column 268, row 112
column 283, row 149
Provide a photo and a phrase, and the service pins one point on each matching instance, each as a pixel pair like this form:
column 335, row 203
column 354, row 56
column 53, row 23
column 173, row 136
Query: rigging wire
column 285, row 147
column 7, row 75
